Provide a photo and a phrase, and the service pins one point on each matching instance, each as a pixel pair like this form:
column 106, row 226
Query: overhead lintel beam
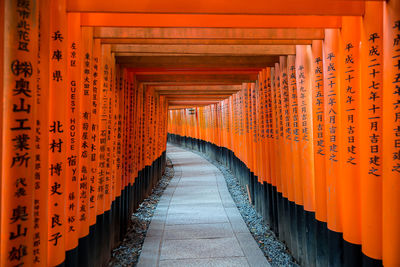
column 198, row 78
column 192, row 102
column 174, row 107
column 207, row 20
column 194, row 72
column 282, row 7
column 195, row 93
column 209, row 33
column 205, row 41
column 198, row 61
column 199, row 87
column 184, row 83
column 207, row 49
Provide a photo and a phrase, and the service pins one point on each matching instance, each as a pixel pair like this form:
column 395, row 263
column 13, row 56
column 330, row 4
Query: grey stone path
column 196, row 222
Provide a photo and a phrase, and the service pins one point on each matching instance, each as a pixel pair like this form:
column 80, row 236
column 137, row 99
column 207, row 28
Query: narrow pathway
column 196, row 222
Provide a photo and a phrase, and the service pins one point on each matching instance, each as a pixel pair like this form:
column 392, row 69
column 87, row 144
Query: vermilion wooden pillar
column 296, row 155
column 42, row 140
column 286, row 179
column 331, row 85
column 294, row 126
column 320, row 150
column 280, row 122
column 2, row 37
column 265, row 116
column 318, row 130
column 104, row 156
column 287, row 167
column 86, row 202
column 275, row 128
column 371, row 125
column 112, row 116
column 57, row 132
column 254, row 129
column 303, row 79
column 349, row 181
column 332, row 66
column 269, row 126
column 96, row 202
column 119, row 114
column 17, row 171
column 74, row 59
column 244, row 124
column 103, row 119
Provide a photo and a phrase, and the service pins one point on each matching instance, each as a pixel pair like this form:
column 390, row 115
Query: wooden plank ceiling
column 199, row 52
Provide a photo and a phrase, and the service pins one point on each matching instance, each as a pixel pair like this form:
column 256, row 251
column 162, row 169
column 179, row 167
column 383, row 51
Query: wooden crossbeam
column 195, row 93
column 207, row 20
column 233, row 78
column 199, row 88
column 172, row 107
column 157, row 54
column 208, row 49
column 204, row 41
column 204, row 97
column 282, row 7
column 209, row 33
column 192, row 71
column 192, row 102
column 198, row 61
column 192, row 83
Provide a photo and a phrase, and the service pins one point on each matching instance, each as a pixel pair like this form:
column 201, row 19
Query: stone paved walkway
column 196, row 222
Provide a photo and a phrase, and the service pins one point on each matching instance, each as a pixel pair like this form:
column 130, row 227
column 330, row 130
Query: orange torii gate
column 299, row 98
column 70, row 174
column 335, row 143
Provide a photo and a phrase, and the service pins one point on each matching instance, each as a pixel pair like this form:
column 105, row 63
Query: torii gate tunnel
column 300, row 99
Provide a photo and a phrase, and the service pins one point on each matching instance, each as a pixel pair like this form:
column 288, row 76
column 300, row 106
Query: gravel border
column 128, row 252
column 274, row 250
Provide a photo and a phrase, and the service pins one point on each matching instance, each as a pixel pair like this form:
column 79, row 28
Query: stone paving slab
column 200, row 248
column 196, row 222
column 210, row 262
column 196, row 231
